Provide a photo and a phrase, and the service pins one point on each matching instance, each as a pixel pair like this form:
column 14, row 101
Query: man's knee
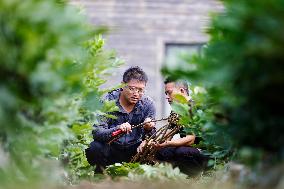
column 187, row 152
column 165, row 154
column 191, row 156
column 96, row 145
column 96, row 152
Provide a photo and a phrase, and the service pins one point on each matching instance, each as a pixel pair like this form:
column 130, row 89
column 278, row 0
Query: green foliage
column 241, row 68
column 52, row 65
column 118, row 169
column 90, row 107
column 138, row 172
column 157, row 172
column 74, row 156
column 196, row 122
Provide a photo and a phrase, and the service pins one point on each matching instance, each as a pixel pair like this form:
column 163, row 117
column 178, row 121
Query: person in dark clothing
column 179, row 151
column 134, row 108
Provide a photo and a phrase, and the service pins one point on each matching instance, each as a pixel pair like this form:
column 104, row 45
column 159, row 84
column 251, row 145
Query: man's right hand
column 125, row 127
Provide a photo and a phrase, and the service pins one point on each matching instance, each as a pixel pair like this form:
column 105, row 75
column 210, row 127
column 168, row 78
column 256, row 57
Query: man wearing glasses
column 134, row 108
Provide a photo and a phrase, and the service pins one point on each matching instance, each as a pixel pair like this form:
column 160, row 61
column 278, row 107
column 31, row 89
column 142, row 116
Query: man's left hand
column 148, row 126
column 162, row 145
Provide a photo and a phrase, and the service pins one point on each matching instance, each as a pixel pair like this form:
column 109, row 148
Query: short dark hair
column 178, row 83
column 135, row 73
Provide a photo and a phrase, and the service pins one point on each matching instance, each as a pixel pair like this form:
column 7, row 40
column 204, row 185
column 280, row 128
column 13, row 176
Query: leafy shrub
column 241, row 68
column 52, row 64
column 143, row 172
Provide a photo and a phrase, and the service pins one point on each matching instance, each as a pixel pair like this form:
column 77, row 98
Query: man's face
column 171, row 90
column 133, row 91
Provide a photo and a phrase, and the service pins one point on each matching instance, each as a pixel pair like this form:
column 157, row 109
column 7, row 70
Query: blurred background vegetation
column 241, row 69
column 53, row 64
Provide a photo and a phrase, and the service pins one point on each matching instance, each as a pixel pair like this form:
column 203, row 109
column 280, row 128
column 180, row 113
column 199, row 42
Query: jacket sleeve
column 103, row 130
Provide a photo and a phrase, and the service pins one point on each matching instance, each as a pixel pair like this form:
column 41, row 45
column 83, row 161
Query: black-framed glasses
column 136, row 89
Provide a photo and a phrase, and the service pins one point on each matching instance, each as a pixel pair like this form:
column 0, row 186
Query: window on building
column 179, row 56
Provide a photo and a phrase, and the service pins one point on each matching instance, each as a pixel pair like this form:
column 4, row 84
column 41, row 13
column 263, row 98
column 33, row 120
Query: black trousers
column 189, row 160
column 102, row 154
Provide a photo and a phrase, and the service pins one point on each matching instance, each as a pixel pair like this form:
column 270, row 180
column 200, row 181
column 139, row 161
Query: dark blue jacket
column 143, row 109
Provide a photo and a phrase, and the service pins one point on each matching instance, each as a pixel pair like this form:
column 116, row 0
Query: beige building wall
column 140, row 30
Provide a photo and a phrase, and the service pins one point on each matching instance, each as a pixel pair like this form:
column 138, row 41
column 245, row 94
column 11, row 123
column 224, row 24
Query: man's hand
column 148, row 126
column 141, row 146
column 162, row 145
column 125, row 127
